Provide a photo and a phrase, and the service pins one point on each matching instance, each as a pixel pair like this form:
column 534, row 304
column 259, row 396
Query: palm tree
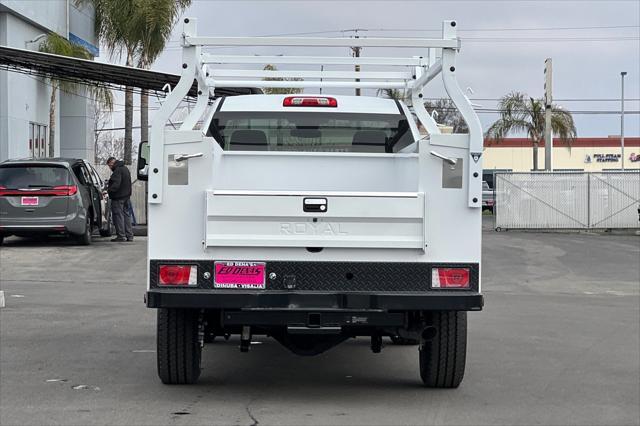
column 396, row 94
column 447, row 114
column 59, row 45
column 523, row 114
column 114, row 29
column 279, row 90
column 138, row 29
column 156, row 21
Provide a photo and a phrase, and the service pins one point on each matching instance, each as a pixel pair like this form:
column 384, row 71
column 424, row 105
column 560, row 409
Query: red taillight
column 178, row 275
column 61, row 191
column 450, row 278
column 65, row 190
column 315, row 101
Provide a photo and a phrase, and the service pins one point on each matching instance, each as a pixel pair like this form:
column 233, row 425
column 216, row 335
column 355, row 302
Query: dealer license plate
column 29, row 201
column 245, row 275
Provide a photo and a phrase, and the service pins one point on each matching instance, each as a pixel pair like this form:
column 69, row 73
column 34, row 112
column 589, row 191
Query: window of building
column 38, row 140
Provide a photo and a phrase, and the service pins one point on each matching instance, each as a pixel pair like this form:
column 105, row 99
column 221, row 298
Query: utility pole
column 548, row 99
column 356, row 54
column 622, row 74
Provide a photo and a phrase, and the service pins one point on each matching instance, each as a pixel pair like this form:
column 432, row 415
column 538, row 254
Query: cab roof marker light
column 310, row 101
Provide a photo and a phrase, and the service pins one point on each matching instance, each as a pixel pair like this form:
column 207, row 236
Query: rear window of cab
column 310, row 131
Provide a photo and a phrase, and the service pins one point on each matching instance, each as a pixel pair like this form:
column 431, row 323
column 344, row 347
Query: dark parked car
column 51, row 196
column 488, row 197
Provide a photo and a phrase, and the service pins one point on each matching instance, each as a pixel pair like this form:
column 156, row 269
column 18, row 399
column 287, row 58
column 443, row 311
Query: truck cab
column 313, row 218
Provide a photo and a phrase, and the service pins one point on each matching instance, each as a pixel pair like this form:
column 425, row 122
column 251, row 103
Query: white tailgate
column 351, row 220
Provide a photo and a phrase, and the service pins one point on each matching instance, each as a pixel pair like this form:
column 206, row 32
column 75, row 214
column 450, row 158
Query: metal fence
column 567, row 200
column 138, row 189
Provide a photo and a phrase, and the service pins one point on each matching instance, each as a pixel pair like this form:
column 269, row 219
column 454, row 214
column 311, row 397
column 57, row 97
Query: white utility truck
column 314, row 218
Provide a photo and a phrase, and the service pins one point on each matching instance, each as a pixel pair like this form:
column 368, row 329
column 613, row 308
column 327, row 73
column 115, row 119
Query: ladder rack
column 411, row 73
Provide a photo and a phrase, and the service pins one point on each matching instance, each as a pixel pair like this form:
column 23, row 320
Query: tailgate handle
column 314, row 205
column 182, row 157
column 451, row 161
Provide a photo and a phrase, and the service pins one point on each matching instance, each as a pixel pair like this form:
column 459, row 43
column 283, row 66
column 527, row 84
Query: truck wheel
column 178, row 349
column 442, row 359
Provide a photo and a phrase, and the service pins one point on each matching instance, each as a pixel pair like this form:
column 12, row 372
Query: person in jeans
column 119, row 189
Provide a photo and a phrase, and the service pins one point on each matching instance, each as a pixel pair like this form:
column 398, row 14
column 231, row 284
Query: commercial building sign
column 634, row 157
column 603, row 158
column 90, row 47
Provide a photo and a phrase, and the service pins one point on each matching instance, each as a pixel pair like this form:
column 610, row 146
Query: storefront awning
column 87, row 72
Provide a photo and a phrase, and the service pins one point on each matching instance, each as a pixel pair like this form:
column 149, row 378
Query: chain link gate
column 567, row 200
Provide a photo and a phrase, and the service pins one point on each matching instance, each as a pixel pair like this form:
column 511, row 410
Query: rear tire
column 178, row 349
column 443, row 358
column 85, row 238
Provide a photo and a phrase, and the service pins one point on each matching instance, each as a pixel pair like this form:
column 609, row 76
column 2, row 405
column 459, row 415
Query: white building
column 24, row 99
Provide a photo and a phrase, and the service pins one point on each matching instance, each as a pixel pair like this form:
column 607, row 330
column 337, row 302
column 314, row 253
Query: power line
column 439, row 30
column 494, row 40
column 80, row 81
column 551, row 38
column 599, row 27
column 479, row 110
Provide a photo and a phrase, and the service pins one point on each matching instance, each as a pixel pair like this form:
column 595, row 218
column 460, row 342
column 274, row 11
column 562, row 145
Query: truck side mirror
column 143, row 161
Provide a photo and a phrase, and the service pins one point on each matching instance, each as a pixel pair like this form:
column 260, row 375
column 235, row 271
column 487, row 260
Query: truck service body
column 314, row 218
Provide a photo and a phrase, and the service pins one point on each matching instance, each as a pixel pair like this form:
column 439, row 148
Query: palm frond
column 396, row 94
column 563, row 125
column 505, row 125
column 516, row 111
column 59, row 45
column 514, row 105
column 279, row 90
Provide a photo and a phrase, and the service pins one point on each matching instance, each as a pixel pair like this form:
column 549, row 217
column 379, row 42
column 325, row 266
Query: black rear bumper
column 314, row 301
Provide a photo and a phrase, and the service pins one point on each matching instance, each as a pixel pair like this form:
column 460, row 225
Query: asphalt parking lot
column 557, row 343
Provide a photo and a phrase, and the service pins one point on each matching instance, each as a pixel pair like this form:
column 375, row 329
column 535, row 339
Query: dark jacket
column 119, row 185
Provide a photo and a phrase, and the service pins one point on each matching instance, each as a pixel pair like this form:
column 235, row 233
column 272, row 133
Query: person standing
column 119, row 190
